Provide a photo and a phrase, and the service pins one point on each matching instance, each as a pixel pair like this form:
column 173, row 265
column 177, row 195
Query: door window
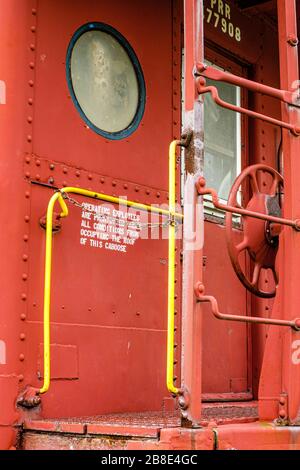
column 222, row 139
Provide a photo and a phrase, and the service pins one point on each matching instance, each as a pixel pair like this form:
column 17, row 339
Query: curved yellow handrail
column 58, row 196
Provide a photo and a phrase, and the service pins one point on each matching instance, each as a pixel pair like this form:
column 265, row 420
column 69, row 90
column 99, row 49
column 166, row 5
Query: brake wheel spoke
column 256, row 275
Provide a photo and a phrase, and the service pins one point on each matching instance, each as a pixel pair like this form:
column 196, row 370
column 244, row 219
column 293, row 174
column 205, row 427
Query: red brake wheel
column 260, row 238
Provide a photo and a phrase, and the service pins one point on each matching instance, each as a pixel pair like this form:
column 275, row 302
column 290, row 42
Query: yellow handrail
column 58, row 196
column 171, row 268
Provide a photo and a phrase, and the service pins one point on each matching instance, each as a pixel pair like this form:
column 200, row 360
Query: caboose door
column 103, row 106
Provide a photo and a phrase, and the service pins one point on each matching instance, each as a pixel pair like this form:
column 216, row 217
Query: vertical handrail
column 47, row 286
column 171, row 267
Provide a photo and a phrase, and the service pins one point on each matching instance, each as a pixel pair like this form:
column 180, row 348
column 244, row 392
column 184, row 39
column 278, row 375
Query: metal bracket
column 29, row 398
column 56, row 222
column 283, row 408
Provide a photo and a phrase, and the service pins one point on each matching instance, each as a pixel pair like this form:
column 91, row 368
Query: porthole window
column 105, row 80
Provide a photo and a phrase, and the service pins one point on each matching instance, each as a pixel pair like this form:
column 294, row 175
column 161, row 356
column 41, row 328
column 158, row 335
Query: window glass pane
column 222, row 139
column 104, row 81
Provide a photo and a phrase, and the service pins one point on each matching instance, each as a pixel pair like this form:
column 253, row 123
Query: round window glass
column 106, row 80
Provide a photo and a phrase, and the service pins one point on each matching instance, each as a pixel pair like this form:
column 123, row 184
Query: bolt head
column 282, row 414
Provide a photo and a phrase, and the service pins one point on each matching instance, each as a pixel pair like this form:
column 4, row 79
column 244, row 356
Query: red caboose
column 151, row 218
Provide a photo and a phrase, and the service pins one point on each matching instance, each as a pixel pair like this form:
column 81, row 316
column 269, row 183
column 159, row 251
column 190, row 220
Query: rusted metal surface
column 257, row 436
column 245, row 435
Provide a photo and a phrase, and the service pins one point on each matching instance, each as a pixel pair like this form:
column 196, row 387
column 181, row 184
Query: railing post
column 193, row 225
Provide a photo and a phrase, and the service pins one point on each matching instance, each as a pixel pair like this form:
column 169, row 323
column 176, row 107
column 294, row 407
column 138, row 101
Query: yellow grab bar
column 171, row 268
column 58, row 196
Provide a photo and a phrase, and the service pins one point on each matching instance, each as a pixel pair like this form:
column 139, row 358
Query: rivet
column 31, row 65
column 27, row 174
column 29, row 119
column 27, row 218
column 138, row 314
column 114, row 183
column 282, row 400
column 282, row 414
column 62, row 307
column 27, row 159
column 292, row 40
column 29, row 138
column 33, row 11
column 175, row 312
column 148, row 191
column 31, row 83
column 22, row 336
column 30, row 101
column 136, row 189
column 25, row 238
column 65, row 184
column 21, row 378
column 25, row 257
column 51, row 166
column 51, row 180
column 27, row 194
column 24, row 297
column 34, row 304
column 102, row 180
column 157, row 194
column 77, row 173
column 175, row 296
column 21, row 357
column 23, row 316
column 38, row 163
column 125, row 186
column 89, row 309
column 24, row 277
column 90, row 177
column 33, row 29
column 65, row 170
column 38, row 177
column 32, row 47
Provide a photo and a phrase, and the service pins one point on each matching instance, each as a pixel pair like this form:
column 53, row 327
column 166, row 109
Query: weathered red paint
column 109, row 313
